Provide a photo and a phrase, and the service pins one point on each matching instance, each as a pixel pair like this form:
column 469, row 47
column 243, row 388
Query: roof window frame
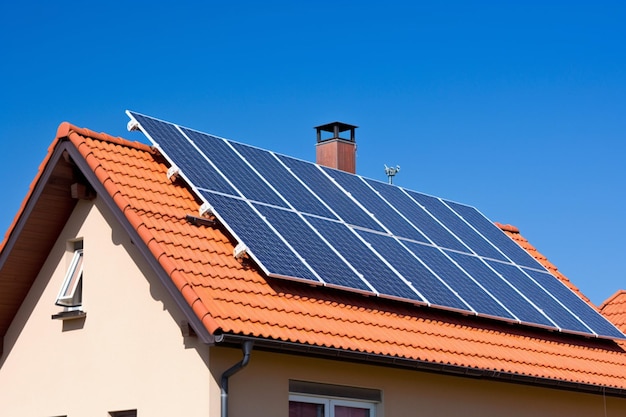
column 70, row 295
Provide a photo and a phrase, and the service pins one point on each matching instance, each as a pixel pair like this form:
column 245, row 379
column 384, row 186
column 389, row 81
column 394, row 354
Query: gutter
column 246, row 346
column 283, row 347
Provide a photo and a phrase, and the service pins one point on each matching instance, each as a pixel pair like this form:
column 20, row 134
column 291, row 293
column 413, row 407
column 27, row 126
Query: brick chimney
column 334, row 151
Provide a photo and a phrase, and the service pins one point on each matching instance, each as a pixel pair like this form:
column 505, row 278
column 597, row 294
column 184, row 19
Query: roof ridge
column 507, row 227
column 65, row 129
column 612, row 299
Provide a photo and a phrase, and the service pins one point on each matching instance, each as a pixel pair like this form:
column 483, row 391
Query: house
column 118, row 299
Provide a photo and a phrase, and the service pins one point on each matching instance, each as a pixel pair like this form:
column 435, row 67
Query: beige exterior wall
column 262, row 390
column 128, row 353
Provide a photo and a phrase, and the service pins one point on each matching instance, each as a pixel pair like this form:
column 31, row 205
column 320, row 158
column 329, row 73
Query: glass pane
column 300, row 409
column 343, row 411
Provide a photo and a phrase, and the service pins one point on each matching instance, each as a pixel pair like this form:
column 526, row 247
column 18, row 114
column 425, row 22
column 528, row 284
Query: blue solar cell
column 322, row 186
column 465, row 287
column 363, row 259
column 374, row 204
column 332, row 269
column 489, row 230
column 282, row 179
column 182, row 153
column 413, row 271
column 588, row 315
column 234, row 168
column 555, row 311
column 416, row 215
column 263, row 244
column 453, row 222
column 514, row 302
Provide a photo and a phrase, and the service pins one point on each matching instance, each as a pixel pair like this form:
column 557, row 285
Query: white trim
column 68, row 297
column 330, row 403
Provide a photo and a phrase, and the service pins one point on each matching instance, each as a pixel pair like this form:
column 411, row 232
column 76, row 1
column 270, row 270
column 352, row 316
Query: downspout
column 247, row 348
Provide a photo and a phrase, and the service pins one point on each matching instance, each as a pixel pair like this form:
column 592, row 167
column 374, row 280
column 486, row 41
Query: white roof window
column 71, row 294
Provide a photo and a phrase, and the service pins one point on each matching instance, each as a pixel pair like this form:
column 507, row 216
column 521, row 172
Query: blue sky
column 516, row 108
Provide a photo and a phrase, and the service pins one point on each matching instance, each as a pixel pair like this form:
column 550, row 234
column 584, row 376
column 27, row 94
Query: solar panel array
column 304, row 222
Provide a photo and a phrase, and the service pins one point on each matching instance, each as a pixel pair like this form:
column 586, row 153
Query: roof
column 230, row 298
column 614, row 308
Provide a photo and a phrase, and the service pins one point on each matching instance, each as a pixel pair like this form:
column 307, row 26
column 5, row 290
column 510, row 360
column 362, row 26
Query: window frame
column 70, row 295
column 329, row 403
column 123, row 413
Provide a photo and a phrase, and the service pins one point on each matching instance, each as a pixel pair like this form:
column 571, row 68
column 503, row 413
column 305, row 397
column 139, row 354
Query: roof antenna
column 391, row 172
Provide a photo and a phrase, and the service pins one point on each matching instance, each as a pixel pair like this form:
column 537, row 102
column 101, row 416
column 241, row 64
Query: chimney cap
column 330, row 127
column 335, row 128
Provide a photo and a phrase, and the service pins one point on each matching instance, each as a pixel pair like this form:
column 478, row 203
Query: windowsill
column 68, row 315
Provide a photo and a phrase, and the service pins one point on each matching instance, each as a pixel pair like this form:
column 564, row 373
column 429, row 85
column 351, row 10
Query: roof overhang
column 32, row 234
column 279, row 346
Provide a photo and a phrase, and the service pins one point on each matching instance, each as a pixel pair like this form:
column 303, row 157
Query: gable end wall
column 128, row 353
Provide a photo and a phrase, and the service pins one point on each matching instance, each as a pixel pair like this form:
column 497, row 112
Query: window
column 125, row 413
column 308, row 406
column 71, row 294
column 310, row 399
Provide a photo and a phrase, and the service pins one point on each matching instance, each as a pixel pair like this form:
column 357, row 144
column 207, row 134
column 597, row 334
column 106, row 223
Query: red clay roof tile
column 615, row 309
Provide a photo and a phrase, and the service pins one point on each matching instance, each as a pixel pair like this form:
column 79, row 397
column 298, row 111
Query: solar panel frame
column 279, row 176
column 370, row 264
column 437, row 208
column 249, row 183
column 599, row 324
column 324, row 187
column 453, row 258
column 419, row 276
column 478, row 297
column 428, row 225
column 312, row 246
column 494, row 235
column 231, row 211
column 555, row 311
column 522, row 309
column 367, row 197
column 210, row 177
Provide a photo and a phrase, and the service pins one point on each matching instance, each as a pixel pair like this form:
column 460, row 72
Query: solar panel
column 418, row 217
column 323, row 258
column 271, row 251
column 295, row 192
column 371, row 266
column 476, row 295
column 335, row 198
column 369, row 199
column 308, row 223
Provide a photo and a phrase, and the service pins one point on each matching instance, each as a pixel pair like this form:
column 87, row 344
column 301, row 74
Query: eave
column 366, row 358
column 36, row 227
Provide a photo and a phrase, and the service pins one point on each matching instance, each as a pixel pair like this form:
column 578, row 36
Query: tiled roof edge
column 612, row 298
column 507, row 227
column 75, row 135
column 66, row 128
